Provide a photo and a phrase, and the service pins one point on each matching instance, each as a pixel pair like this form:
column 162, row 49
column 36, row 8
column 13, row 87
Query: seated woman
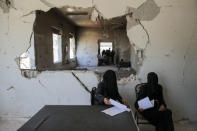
column 108, row 89
column 159, row 115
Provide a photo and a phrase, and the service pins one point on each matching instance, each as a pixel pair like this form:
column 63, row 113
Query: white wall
column 171, row 53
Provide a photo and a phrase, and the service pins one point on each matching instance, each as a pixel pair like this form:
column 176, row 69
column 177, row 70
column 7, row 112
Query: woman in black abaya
column 108, row 89
column 159, row 115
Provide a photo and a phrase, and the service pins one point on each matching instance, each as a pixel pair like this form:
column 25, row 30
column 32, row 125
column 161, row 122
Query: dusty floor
column 12, row 124
column 178, row 127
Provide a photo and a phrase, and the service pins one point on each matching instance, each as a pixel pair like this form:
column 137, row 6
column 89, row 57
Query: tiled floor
column 12, row 124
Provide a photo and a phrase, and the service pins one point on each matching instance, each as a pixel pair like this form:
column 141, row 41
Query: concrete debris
column 127, row 80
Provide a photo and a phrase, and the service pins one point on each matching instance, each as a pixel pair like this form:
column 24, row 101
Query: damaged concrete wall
column 122, row 44
column 171, row 53
column 44, row 26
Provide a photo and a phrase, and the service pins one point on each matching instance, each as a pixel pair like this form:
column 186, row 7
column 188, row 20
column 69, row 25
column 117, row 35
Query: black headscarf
column 110, row 84
column 152, row 81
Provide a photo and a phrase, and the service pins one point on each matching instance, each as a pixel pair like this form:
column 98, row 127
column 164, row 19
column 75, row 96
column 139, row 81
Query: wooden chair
column 138, row 117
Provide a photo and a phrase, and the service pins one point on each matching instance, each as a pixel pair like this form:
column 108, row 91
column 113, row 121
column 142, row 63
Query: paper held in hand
column 119, row 105
column 145, row 103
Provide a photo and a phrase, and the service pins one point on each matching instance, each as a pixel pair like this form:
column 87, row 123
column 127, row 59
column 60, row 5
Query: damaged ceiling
column 91, row 17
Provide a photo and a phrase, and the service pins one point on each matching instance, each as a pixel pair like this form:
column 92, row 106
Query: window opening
column 72, row 47
column 57, row 48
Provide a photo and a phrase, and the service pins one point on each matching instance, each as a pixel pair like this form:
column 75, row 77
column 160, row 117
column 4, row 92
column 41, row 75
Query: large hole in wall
column 72, row 38
column 75, row 38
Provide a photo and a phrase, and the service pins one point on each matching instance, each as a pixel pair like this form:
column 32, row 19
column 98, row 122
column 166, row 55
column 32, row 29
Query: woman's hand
column 125, row 102
column 140, row 109
column 106, row 101
column 162, row 108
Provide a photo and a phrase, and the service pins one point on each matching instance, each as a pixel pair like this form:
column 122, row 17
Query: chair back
column 138, row 88
column 93, row 91
column 139, row 118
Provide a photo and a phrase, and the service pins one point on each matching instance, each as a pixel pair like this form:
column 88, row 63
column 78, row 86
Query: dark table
column 78, row 118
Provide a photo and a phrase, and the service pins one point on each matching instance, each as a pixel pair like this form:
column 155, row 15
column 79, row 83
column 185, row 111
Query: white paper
column 113, row 111
column 117, row 104
column 116, row 109
column 145, row 103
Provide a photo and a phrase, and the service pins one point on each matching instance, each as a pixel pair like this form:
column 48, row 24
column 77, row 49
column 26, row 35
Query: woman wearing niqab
column 160, row 116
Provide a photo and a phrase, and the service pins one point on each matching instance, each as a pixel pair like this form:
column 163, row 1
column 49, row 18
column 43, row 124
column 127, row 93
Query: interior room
column 54, row 52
